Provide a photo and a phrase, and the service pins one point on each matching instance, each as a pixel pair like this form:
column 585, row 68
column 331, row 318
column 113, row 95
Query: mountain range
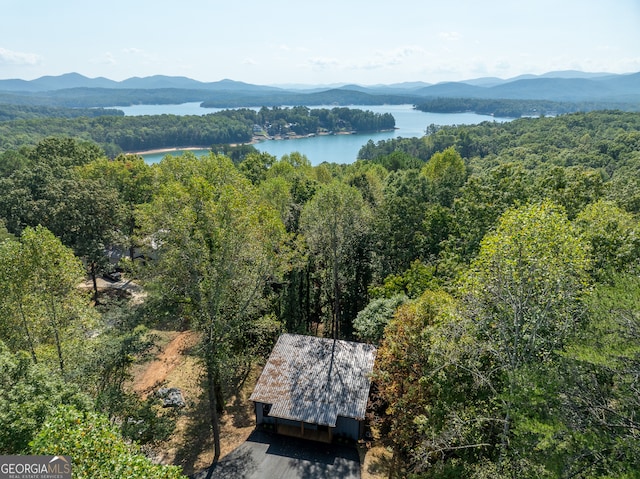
column 73, row 89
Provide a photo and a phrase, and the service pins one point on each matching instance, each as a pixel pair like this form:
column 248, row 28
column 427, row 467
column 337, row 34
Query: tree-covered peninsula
column 116, row 133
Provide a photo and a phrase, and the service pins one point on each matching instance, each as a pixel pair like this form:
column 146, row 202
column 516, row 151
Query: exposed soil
column 177, row 365
column 155, row 373
column 190, row 446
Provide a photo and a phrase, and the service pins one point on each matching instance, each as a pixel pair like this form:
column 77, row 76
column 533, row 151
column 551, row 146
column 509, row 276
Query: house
column 316, row 388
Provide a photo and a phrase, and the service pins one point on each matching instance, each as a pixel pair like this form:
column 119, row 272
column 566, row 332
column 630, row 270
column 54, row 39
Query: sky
column 283, row 42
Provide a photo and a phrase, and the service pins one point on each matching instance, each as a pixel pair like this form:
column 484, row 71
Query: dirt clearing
column 177, row 365
column 155, row 373
column 191, row 446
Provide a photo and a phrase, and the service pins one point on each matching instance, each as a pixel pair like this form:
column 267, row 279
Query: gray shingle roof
column 315, row 380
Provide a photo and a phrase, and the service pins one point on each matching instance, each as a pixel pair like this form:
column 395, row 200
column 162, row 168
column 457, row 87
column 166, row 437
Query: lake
column 332, row 148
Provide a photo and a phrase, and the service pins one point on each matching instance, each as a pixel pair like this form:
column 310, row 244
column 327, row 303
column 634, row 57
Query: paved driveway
column 270, row 456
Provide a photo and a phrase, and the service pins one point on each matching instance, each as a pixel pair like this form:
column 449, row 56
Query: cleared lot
column 269, row 456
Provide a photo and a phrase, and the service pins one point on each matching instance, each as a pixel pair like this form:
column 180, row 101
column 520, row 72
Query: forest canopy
column 495, row 266
column 116, row 133
column 515, row 108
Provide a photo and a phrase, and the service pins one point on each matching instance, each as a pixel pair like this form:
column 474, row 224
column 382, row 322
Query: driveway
column 270, row 456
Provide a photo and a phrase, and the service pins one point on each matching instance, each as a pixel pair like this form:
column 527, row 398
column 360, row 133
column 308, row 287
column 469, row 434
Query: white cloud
column 250, row 61
column 105, row 59
column 322, row 63
column 133, row 51
column 287, row 48
column 449, row 36
column 620, row 64
column 404, row 51
column 381, row 59
column 110, row 59
column 625, row 65
column 390, row 58
column 19, row 58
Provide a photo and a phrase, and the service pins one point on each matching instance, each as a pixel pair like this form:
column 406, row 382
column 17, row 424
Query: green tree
column 4, row 233
column 96, row 447
column 369, row 179
column 624, row 187
column 614, row 236
column 525, row 289
column 40, row 278
column 602, row 404
column 18, row 327
column 132, row 179
column 428, row 395
column 446, row 173
column 56, row 273
column 255, row 166
column 411, row 283
column 481, row 202
column 29, row 394
column 573, row 187
column 217, row 251
column 398, row 160
column 399, row 222
column 336, row 224
column 83, row 212
column 11, row 161
column 65, row 152
column 88, row 219
column 370, row 323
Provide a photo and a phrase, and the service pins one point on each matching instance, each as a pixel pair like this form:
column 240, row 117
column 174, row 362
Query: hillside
column 495, row 267
column 75, row 90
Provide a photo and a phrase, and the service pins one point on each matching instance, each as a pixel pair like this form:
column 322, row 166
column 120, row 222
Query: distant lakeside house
column 316, row 388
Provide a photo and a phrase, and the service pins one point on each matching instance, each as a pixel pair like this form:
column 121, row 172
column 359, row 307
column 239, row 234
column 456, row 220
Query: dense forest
column 495, row 266
column 232, row 98
column 117, row 133
column 24, row 112
column 514, row 108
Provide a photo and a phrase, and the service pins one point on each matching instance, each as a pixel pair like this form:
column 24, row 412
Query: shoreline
column 254, row 140
column 166, row 150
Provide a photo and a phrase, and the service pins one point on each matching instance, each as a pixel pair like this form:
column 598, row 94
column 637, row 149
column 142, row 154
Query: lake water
column 332, row 148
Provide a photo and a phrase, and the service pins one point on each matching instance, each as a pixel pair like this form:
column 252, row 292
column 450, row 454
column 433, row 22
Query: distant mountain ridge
column 76, row 90
column 76, row 80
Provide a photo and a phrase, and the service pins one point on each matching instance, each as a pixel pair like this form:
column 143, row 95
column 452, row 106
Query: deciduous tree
column 525, row 289
column 336, row 224
column 218, row 247
column 96, row 448
column 39, row 277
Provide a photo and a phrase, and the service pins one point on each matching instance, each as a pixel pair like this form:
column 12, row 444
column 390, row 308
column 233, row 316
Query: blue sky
column 317, row 42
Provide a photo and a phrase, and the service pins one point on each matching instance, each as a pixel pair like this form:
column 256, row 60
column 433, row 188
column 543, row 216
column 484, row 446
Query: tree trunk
column 213, row 388
column 219, row 397
column 59, row 348
column 132, row 228
column 95, row 282
column 336, row 293
column 29, row 339
column 54, row 325
column 213, row 412
column 394, row 462
column 307, row 297
column 504, row 442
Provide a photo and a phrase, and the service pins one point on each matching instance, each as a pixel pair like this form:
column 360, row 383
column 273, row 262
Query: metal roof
column 315, row 380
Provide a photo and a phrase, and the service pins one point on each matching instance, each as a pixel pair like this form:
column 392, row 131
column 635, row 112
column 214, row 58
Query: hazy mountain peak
column 569, row 85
